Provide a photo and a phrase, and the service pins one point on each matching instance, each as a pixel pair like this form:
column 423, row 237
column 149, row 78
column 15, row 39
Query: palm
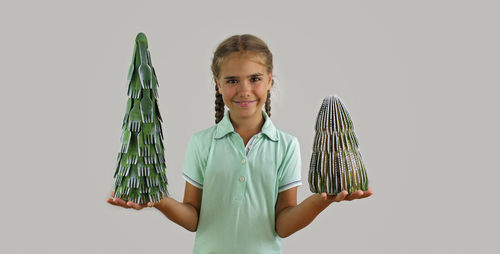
column 344, row 195
column 120, row 202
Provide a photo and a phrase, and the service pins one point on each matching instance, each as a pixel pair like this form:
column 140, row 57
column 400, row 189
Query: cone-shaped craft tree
column 140, row 172
column 336, row 162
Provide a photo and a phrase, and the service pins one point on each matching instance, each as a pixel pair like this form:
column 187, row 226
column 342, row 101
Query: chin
column 245, row 112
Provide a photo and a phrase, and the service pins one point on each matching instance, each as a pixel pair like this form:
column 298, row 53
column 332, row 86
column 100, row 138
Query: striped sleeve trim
column 192, row 181
column 290, row 185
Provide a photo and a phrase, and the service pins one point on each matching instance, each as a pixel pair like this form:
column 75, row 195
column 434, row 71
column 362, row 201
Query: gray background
column 420, row 79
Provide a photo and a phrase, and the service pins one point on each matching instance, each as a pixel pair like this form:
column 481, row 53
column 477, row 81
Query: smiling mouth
column 244, row 103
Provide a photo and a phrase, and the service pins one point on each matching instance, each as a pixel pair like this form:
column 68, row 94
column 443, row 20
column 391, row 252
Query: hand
column 344, row 195
column 129, row 204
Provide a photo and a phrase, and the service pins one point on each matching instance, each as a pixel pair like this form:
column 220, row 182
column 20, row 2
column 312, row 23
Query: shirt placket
column 250, row 145
column 243, row 167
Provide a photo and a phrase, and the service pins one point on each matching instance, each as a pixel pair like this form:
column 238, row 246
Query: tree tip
column 141, row 37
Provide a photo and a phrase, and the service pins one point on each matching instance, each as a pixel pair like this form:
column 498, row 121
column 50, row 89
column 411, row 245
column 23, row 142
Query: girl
column 244, row 169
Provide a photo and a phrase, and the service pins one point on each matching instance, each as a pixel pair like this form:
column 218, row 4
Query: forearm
column 292, row 219
column 181, row 213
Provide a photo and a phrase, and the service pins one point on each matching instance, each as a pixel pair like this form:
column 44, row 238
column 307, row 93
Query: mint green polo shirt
column 240, row 186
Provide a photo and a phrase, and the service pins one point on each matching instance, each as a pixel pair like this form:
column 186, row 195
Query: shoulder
column 203, row 139
column 287, row 144
column 286, row 139
column 205, row 135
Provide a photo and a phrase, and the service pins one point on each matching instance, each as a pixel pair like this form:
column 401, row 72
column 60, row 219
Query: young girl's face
column 243, row 83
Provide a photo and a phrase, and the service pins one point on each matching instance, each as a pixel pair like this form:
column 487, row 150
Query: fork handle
column 143, row 47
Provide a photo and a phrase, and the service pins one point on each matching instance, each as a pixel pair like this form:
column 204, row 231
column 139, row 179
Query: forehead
column 242, row 63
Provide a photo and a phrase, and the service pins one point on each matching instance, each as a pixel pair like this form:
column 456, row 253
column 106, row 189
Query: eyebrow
column 251, row 75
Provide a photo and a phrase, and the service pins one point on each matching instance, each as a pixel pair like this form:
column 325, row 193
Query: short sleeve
column 289, row 170
column 194, row 164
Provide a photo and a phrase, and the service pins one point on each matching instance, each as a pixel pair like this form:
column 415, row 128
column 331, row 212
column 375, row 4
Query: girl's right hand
column 129, row 204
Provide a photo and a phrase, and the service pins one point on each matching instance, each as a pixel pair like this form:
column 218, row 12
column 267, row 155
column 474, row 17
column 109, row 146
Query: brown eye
column 231, row 81
column 255, row 79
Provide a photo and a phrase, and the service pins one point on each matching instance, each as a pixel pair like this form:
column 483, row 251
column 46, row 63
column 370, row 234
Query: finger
column 341, row 196
column 110, row 200
column 323, row 196
column 112, row 193
column 134, row 205
column 121, row 202
column 115, row 202
column 327, row 197
column 150, row 204
column 367, row 193
column 354, row 195
column 131, row 204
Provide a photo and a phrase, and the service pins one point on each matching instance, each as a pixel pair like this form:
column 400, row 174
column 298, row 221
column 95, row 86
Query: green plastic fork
column 135, row 118
column 147, row 109
column 144, row 70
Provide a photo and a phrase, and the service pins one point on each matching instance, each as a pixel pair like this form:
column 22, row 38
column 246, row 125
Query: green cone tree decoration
column 140, row 172
column 336, row 162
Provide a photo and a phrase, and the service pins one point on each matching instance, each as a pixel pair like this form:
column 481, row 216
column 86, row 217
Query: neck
column 247, row 125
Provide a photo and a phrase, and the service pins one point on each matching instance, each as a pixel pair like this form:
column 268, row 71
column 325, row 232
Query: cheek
column 227, row 95
column 262, row 92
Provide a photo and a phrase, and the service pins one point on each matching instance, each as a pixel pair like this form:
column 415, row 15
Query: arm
column 185, row 214
column 291, row 217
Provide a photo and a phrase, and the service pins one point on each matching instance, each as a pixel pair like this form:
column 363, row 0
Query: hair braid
column 268, row 103
column 219, row 105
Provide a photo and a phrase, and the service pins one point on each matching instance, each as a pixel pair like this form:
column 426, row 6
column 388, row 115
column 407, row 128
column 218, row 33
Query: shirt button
column 242, row 179
column 243, row 161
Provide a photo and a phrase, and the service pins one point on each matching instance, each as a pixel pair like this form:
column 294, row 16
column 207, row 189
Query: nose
column 245, row 87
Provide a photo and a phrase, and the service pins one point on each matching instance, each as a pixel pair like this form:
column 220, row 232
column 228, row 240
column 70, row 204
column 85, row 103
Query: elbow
column 192, row 228
column 282, row 234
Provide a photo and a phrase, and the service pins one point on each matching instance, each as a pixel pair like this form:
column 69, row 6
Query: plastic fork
column 134, row 123
column 127, row 111
column 158, row 129
column 134, row 87
column 157, row 109
column 132, row 65
column 155, row 78
column 143, row 148
column 147, row 107
column 126, row 135
column 144, row 70
column 148, row 131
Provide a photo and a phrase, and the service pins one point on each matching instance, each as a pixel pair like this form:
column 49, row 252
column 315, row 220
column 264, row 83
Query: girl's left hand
column 344, row 195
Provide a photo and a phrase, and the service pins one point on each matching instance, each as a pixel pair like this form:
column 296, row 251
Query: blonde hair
column 242, row 44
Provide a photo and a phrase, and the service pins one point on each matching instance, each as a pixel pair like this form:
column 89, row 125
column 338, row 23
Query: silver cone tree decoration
column 336, row 162
column 140, row 172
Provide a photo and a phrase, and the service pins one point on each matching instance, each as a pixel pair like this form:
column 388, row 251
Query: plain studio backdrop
column 419, row 78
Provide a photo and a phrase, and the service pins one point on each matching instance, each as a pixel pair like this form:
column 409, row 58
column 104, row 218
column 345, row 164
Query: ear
column 218, row 86
column 270, row 80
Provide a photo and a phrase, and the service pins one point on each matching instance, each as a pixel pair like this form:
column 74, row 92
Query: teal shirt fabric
column 240, row 186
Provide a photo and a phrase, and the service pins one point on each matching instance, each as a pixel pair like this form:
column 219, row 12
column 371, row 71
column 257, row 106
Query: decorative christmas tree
column 140, row 172
column 336, row 162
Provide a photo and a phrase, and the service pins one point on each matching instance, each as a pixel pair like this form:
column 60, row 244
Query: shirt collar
column 225, row 127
